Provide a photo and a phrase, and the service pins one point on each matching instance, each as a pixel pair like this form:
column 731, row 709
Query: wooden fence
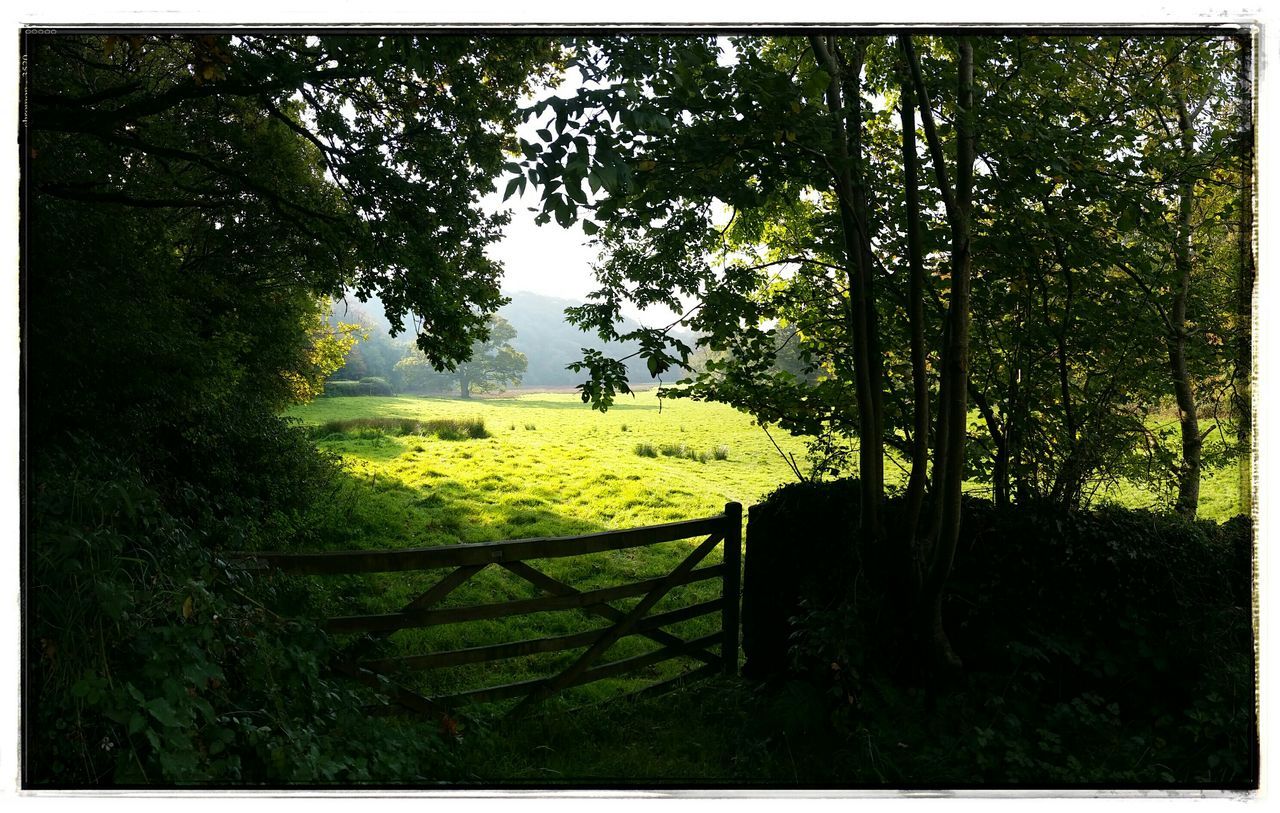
column 465, row 561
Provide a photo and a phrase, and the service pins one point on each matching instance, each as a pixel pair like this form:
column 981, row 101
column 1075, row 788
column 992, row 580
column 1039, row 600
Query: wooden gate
column 465, row 561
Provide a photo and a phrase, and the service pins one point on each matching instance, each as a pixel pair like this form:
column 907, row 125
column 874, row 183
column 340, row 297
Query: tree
column 1191, row 162
column 493, row 366
column 785, row 122
column 210, row 127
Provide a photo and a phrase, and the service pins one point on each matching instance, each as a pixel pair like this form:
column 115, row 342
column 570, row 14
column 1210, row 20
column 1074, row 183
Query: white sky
column 546, row 259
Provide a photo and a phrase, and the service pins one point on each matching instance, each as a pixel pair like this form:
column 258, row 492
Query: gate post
column 732, row 591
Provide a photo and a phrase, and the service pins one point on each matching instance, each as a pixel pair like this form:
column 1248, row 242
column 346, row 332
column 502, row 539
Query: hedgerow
column 157, row 661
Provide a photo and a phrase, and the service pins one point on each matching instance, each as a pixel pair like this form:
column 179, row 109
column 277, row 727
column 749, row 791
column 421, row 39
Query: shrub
column 443, row 428
column 674, row 450
column 721, row 453
column 365, row 386
column 373, row 385
column 624, row 427
column 157, row 662
column 339, row 389
column 646, row 450
column 529, row 427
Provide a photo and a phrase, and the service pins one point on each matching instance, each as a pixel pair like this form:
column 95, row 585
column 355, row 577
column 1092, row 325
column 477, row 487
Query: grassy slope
column 552, row 467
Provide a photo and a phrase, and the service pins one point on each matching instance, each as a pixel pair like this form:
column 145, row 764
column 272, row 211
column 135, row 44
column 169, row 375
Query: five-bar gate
column 464, row 561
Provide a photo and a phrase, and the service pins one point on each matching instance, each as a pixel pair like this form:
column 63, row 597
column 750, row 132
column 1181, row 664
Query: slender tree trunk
column 948, row 467
column 915, row 316
column 866, row 379
column 1243, row 407
column 851, row 78
column 951, row 478
column 1189, row 472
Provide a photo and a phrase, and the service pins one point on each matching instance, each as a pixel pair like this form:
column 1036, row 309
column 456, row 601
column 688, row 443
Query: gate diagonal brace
column 619, row 629
column 438, row 593
column 558, row 588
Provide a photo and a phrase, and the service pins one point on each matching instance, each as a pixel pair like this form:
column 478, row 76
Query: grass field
column 546, row 465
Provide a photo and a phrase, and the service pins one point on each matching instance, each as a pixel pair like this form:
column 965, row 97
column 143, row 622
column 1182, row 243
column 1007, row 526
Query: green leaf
column 565, row 214
column 512, row 186
column 162, row 711
column 589, row 227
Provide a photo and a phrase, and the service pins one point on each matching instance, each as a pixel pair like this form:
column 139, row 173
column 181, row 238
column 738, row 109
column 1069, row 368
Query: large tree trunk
column 464, row 385
column 1189, row 472
column 860, row 313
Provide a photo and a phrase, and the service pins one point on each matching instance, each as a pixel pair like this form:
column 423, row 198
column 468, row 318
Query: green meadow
column 434, row 471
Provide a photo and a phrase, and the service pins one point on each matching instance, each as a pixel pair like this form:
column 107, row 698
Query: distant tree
column 494, row 365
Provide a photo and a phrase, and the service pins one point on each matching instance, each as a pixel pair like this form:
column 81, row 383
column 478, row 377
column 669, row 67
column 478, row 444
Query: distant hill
column 550, row 343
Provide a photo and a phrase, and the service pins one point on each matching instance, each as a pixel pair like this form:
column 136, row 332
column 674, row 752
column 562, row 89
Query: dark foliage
column 182, row 229
column 155, row 661
column 1108, row 647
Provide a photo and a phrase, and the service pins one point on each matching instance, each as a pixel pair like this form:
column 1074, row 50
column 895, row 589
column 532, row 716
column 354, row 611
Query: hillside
column 551, row 343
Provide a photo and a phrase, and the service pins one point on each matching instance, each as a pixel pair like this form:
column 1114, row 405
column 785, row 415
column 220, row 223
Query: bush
column 365, row 386
column 341, row 389
column 646, row 450
column 721, row 453
column 374, row 385
column 443, row 428
column 1101, row 647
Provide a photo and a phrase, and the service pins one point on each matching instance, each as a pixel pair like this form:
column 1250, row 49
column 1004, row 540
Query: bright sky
column 550, row 259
